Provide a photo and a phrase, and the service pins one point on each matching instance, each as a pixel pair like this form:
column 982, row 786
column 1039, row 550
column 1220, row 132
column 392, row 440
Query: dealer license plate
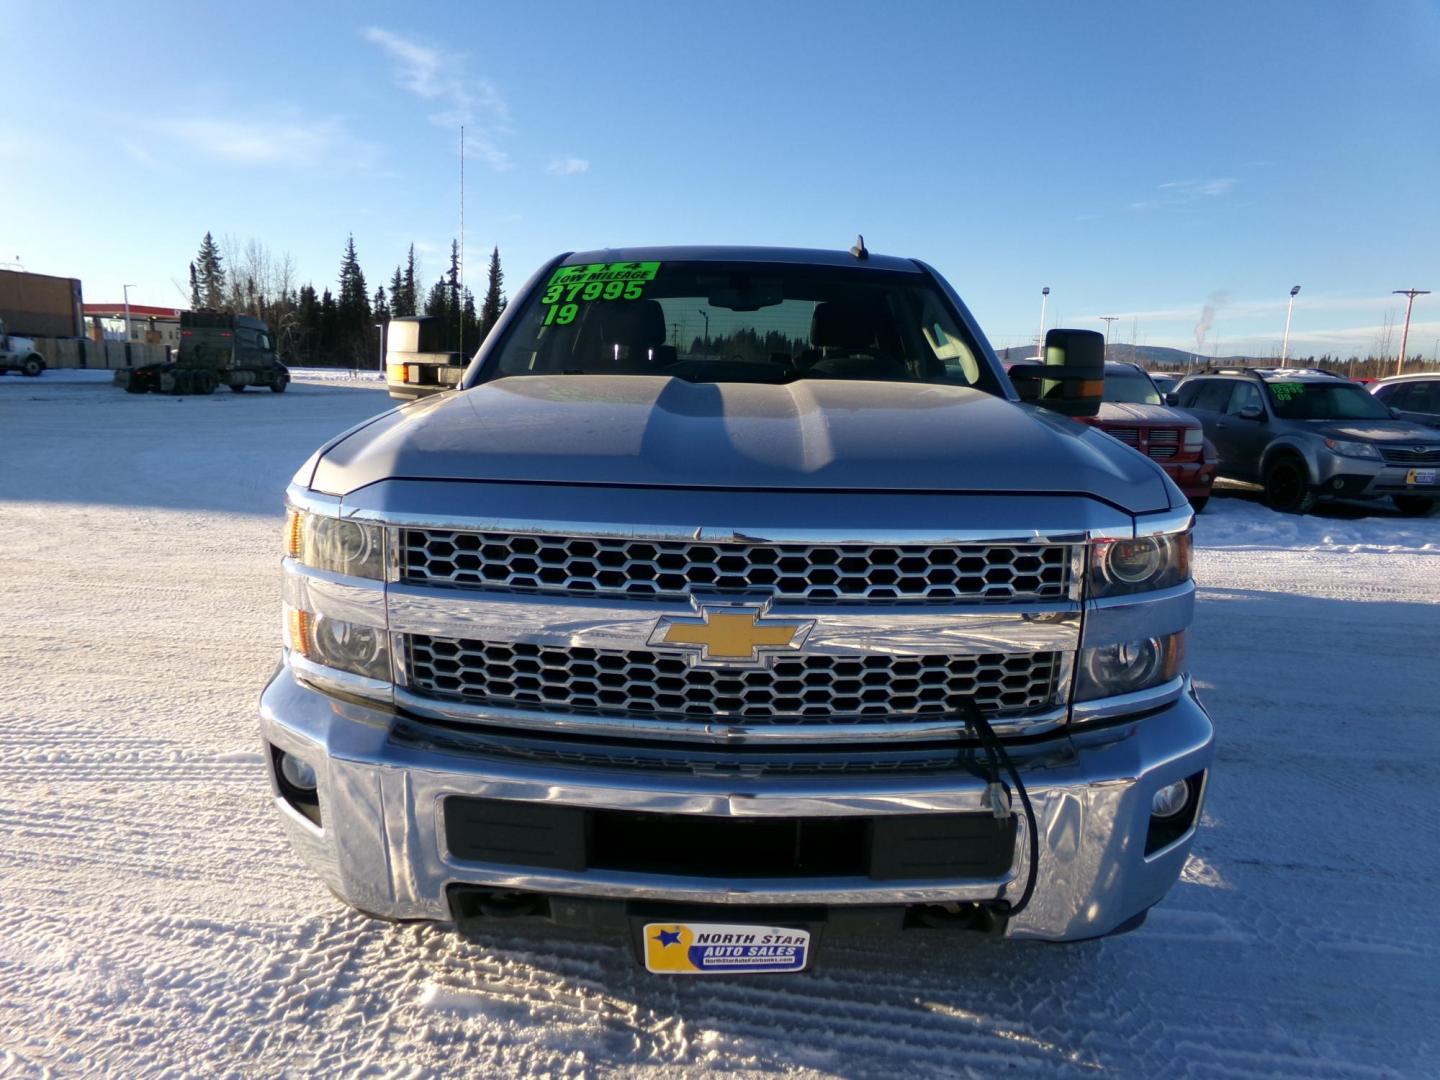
column 686, row 948
column 1420, row 476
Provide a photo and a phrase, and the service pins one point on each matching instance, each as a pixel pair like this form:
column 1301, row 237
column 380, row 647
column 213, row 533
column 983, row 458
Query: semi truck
column 416, row 362
column 216, row 349
column 807, row 621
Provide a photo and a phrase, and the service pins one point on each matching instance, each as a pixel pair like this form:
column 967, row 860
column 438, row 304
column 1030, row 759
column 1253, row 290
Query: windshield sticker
column 1287, row 391
column 569, row 286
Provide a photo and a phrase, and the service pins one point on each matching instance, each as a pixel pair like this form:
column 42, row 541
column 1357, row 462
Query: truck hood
column 1378, row 431
column 1140, row 415
column 654, row 431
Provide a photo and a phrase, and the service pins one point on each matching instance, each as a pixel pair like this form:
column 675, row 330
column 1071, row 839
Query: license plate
column 1420, row 476
column 685, row 948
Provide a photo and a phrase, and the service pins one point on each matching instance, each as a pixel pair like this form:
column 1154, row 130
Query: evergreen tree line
column 339, row 328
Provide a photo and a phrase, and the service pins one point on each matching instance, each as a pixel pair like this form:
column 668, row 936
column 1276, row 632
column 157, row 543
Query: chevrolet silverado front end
column 796, row 619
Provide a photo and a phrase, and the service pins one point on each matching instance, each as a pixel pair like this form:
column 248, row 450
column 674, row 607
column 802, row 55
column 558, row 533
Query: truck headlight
column 1139, row 565
column 355, row 548
column 1128, row 666
column 360, row 650
column 1194, row 439
column 1346, row 448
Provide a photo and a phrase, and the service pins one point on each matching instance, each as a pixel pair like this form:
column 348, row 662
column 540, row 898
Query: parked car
column 1308, row 435
column 1412, row 397
column 1164, row 381
column 1134, row 411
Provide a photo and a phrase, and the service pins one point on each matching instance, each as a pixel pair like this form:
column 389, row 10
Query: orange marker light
column 300, row 625
column 294, row 532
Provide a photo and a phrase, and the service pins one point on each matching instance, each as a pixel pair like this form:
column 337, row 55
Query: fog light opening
column 1173, row 811
column 298, row 773
column 1337, row 483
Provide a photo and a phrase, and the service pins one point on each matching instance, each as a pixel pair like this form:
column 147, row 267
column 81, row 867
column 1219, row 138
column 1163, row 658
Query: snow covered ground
column 154, row 923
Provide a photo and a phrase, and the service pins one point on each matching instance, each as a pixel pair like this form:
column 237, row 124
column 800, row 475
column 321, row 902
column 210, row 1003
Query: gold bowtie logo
column 731, row 636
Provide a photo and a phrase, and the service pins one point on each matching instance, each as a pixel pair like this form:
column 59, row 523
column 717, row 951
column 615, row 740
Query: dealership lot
column 155, row 921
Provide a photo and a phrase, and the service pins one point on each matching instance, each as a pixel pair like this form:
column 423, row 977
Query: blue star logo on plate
column 668, row 937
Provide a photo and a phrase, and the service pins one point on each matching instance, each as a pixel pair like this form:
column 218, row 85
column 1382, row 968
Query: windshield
column 1325, row 401
column 741, row 322
column 1132, row 387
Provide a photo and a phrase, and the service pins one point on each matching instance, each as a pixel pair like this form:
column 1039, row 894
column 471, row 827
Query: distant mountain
column 1148, row 356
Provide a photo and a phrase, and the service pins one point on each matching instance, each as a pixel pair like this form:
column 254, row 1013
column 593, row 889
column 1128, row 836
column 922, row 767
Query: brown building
column 38, row 305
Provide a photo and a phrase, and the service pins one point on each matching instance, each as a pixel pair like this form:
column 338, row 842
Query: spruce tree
column 438, row 302
column 494, row 301
column 353, row 309
column 397, row 295
column 194, row 289
column 470, row 336
column 412, row 299
column 212, row 274
column 328, row 345
column 381, row 306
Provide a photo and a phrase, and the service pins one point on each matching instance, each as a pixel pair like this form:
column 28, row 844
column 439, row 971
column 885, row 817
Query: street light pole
column 1040, row 341
column 1405, row 336
column 706, row 316
column 1289, row 310
column 126, row 290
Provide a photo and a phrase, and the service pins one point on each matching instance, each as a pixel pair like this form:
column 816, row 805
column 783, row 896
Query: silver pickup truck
column 737, row 596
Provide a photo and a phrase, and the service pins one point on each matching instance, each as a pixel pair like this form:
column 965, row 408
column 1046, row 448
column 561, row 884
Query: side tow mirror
column 1071, row 381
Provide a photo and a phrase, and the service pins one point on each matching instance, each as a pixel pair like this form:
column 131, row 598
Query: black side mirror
column 1071, row 381
column 1172, row 398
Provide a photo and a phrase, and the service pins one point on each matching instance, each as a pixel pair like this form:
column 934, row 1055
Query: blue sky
column 1142, row 160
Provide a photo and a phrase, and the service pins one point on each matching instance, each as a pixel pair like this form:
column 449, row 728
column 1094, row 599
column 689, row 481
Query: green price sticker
column 571, row 285
column 1287, row 391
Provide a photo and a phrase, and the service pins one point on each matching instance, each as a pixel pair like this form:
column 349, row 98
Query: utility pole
column 126, row 290
column 1040, row 341
column 1289, row 310
column 1107, row 320
column 1405, row 336
column 461, row 313
column 706, row 316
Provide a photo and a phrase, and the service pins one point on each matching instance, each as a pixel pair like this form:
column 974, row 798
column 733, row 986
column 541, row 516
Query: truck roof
column 724, row 253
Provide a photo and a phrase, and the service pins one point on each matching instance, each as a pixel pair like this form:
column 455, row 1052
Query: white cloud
column 1175, row 193
column 460, row 99
column 1196, row 188
column 286, row 140
column 569, row 166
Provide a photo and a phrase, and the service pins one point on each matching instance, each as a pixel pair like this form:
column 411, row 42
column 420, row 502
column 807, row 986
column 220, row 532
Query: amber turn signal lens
column 300, row 632
column 294, row 532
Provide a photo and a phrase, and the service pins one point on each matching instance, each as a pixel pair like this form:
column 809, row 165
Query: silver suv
column 1306, row 434
column 1412, row 397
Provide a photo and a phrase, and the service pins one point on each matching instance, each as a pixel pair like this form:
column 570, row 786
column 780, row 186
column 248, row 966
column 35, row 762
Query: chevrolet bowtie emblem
column 730, row 635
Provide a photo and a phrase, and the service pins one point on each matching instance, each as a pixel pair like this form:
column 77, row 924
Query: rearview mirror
column 1071, row 381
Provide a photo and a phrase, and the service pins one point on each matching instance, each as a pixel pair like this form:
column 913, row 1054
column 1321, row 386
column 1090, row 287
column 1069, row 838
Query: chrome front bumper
column 382, row 848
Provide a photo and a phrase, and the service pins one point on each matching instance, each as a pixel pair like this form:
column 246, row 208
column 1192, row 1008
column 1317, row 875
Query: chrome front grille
column 816, row 688
column 672, row 570
column 1414, row 455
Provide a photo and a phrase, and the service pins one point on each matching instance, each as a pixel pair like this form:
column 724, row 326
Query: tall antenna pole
column 461, row 312
column 1405, row 336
